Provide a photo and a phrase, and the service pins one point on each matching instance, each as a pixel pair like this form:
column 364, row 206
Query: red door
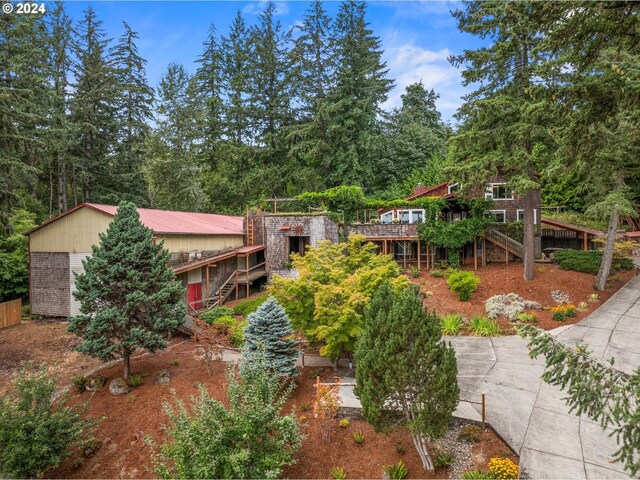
column 194, row 295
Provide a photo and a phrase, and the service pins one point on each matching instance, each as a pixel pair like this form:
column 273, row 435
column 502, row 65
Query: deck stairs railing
column 505, row 242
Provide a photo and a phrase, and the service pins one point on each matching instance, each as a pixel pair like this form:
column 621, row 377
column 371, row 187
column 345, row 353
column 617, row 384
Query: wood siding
column 10, row 313
column 75, row 266
column 199, row 243
column 50, row 284
column 73, row 233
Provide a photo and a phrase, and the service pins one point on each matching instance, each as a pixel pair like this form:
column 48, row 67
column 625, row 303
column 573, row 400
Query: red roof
column 421, row 191
column 170, row 222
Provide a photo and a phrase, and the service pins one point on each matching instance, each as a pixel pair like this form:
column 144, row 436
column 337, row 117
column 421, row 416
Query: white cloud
column 255, row 8
column 409, row 63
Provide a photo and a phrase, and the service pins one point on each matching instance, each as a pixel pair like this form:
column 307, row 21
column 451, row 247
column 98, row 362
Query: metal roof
column 170, row 222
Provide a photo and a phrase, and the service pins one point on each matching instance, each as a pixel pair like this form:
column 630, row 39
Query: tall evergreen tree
column 235, row 80
column 132, row 113
column 209, row 89
column 415, row 135
column 269, row 328
column 313, row 57
column 58, row 133
column 92, row 108
column 506, row 119
column 402, row 364
column 354, row 104
column 173, row 151
column 129, row 296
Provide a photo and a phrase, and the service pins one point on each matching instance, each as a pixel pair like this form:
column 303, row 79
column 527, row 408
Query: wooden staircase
column 250, row 232
column 504, row 242
column 193, row 314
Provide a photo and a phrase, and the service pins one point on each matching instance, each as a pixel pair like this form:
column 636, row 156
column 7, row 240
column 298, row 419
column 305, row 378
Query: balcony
column 384, row 231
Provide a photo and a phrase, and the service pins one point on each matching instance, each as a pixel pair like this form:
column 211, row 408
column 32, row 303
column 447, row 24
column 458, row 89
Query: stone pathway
column 531, row 415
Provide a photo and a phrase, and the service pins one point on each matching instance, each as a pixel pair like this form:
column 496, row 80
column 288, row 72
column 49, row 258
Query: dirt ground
column 41, row 342
column 128, row 418
column 500, row 279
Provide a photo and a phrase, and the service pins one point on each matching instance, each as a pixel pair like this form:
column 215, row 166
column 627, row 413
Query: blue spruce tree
column 269, row 328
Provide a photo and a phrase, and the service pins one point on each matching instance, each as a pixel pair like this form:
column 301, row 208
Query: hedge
column 588, row 261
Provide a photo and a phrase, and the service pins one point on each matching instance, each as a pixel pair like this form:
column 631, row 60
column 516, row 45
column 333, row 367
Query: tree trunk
column 126, row 356
column 421, row 447
column 62, row 186
column 529, row 237
column 607, row 255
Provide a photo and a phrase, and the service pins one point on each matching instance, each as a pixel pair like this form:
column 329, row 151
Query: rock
column 163, row 377
column 91, row 448
column 118, row 386
column 95, row 383
column 560, row 297
column 531, row 305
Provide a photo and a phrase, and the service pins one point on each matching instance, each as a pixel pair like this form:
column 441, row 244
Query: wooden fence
column 10, row 313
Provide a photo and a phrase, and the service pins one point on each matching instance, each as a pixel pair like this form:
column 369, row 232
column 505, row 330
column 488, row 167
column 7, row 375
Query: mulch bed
column 500, row 279
column 128, row 418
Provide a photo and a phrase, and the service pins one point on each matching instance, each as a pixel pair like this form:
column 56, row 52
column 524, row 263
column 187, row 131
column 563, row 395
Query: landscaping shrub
column 562, row 312
column 35, row 436
column 477, row 474
column 397, row 471
column 443, row 459
column 484, row 327
column 210, row 316
column 451, row 324
column 249, row 306
column 509, row 305
column 444, row 273
column 344, row 423
column 225, row 325
column 464, row 284
column 135, row 381
column 528, row 318
column 588, row 261
column 80, row 382
column 237, row 335
column 400, row 448
column 358, row 437
column 414, row 271
column 470, row 433
column 338, row 473
column 249, row 438
column 503, row 468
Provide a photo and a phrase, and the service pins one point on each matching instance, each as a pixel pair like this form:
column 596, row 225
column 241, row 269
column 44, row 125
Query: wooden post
column 585, row 241
column 483, row 414
column 236, row 282
column 484, row 252
column 418, row 254
column 206, row 283
column 506, row 254
column 246, row 263
column 475, row 254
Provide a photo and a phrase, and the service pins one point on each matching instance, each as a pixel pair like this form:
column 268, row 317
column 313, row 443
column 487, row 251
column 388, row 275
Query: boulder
column 91, row 448
column 163, row 377
column 118, row 386
column 95, row 383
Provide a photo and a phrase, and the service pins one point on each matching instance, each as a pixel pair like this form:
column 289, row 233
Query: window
column 411, row 216
column 499, row 216
column 386, row 217
column 454, row 187
column 453, row 217
column 498, row 191
column 520, row 215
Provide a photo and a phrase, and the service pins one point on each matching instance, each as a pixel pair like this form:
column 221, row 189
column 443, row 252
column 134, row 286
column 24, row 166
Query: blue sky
column 417, row 36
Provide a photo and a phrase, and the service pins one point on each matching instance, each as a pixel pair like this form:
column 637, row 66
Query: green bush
column 414, row 271
column 528, row 317
column 443, row 459
column 210, row 316
column 249, row 437
column 397, row 471
column 477, row 474
column 588, row 261
column 451, row 324
column 484, row 327
column 237, row 335
column 135, row 381
column 338, row 473
column 80, row 382
column 35, row 436
column 249, row 306
column 464, row 284
column 225, row 325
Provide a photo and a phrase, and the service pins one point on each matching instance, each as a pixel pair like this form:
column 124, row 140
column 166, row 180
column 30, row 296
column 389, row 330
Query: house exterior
column 208, row 252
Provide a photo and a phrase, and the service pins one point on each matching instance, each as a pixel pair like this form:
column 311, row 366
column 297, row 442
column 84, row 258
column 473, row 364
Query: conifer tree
column 402, row 364
column 129, row 296
column 132, row 112
column 353, row 106
column 269, row 328
column 92, row 109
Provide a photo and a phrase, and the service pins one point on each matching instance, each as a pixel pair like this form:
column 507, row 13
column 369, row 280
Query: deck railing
column 505, row 242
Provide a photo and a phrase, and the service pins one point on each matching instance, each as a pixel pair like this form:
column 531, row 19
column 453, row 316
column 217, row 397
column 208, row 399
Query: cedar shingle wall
column 50, row 284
